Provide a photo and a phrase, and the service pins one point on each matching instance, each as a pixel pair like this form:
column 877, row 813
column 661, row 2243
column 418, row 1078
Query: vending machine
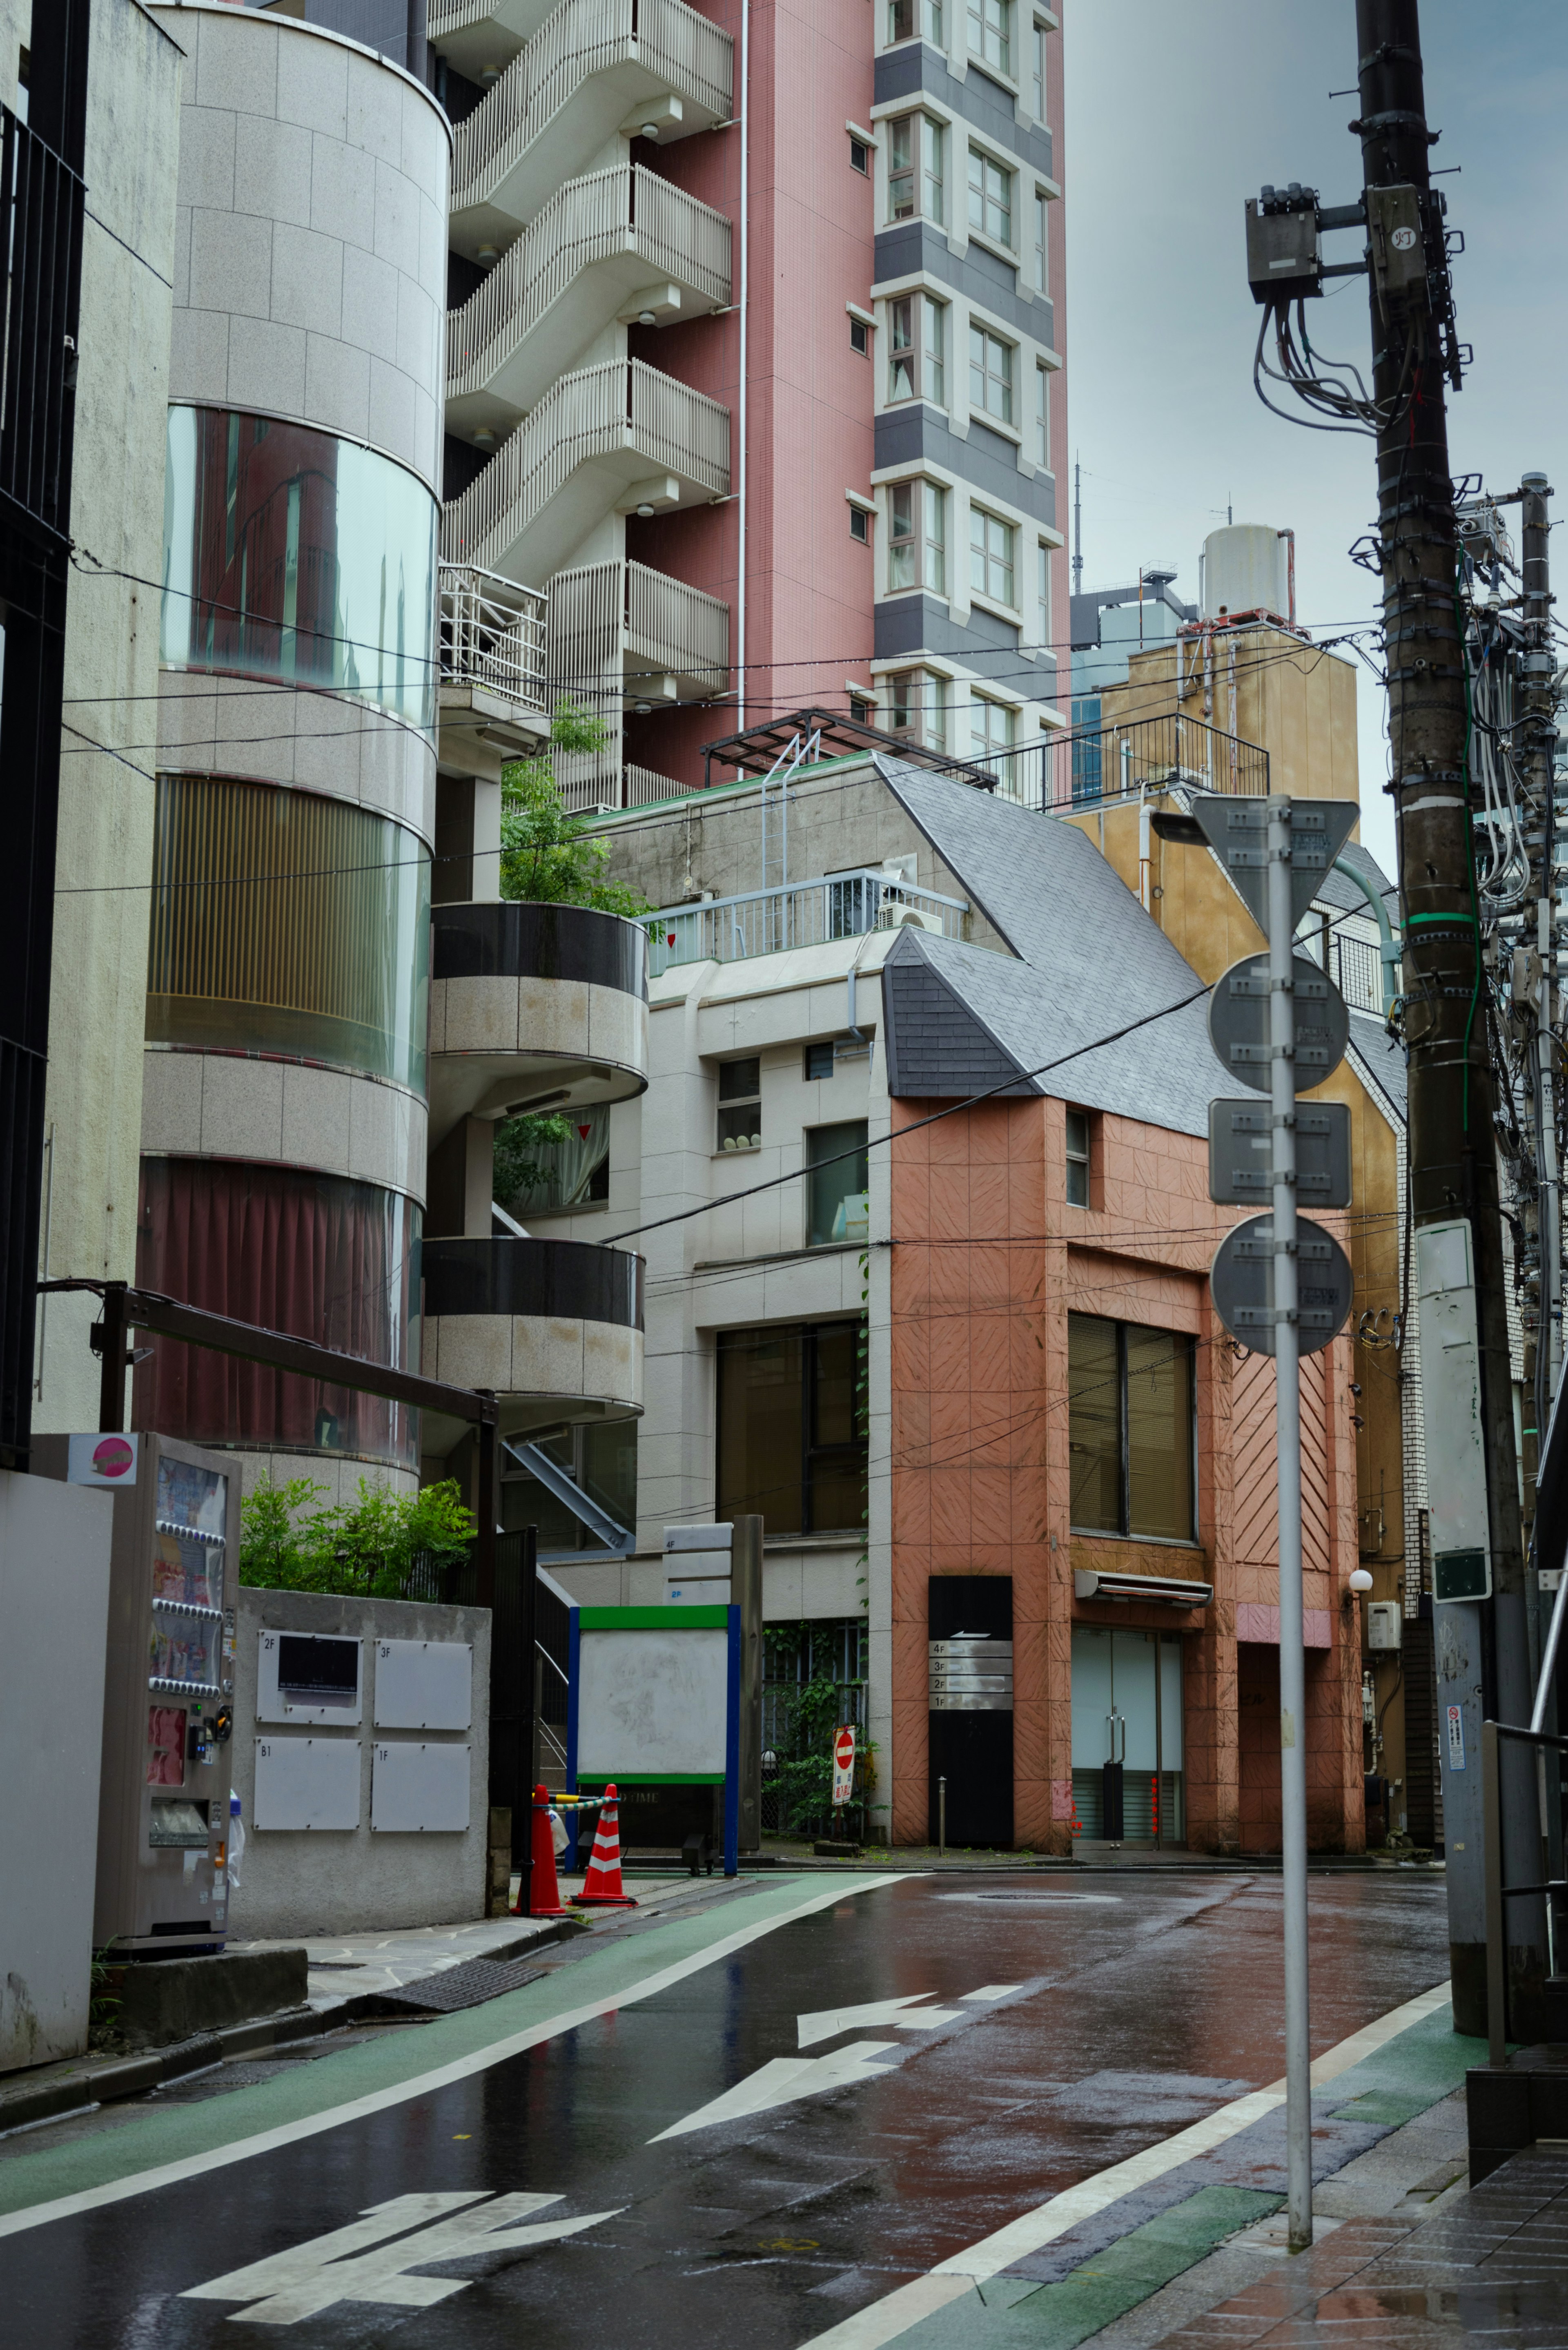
column 169, row 1686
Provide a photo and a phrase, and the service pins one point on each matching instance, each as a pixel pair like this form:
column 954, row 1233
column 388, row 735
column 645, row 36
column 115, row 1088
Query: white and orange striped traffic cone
column 602, row 1885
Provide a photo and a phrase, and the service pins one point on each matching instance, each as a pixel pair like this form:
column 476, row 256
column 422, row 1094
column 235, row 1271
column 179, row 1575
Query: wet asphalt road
column 1117, row 2014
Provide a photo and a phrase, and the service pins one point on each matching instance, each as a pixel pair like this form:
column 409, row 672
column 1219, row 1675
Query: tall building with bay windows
column 755, row 360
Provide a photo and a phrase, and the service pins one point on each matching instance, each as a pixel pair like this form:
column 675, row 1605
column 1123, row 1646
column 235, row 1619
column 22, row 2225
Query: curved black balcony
column 554, row 1326
column 534, row 1007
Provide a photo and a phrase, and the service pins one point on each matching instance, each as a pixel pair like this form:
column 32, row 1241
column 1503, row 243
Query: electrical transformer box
column 1284, row 261
column 168, row 1682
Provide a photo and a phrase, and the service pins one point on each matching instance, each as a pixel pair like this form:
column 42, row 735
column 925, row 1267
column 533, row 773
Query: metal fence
column 1064, row 771
column 491, row 634
column 800, row 914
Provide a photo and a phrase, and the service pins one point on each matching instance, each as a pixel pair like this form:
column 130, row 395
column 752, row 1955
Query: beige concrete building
column 88, row 1226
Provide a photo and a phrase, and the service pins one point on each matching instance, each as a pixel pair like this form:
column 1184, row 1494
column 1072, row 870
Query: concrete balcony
column 620, row 437
column 620, row 243
column 554, row 1326
column 534, row 1007
column 593, row 67
column 481, row 37
column 624, row 627
column 495, row 696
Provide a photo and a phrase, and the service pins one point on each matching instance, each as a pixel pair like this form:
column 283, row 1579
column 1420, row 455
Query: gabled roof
column 1090, row 962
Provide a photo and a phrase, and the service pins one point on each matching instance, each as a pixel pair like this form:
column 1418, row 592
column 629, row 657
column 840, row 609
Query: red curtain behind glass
column 312, row 1255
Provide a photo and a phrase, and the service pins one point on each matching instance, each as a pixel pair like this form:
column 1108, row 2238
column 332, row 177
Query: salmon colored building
column 1059, row 1615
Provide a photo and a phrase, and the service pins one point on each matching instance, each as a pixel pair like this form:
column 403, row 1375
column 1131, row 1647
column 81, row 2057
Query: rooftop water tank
column 1246, row 568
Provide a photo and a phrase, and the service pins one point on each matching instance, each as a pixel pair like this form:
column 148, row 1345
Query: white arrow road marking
column 311, row 2277
column 994, row 1991
column 829, row 2019
column 787, row 2078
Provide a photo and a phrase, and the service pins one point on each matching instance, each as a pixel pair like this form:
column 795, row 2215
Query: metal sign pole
column 1288, row 1429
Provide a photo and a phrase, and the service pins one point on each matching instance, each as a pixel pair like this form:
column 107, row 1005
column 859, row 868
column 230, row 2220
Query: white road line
column 199, row 2166
column 886, row 2320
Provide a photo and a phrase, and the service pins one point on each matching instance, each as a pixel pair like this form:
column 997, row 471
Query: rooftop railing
column 797, row 914
column 1065, row 771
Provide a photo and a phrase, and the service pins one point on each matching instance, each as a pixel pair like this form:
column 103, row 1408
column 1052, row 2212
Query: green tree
column 364, row 1548
column 546, row 855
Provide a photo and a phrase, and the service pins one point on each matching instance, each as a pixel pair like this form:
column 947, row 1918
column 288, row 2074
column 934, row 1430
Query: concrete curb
column 79, row 2084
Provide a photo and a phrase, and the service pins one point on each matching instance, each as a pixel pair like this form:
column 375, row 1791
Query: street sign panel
column 1237, row 830
column 1239, row 1022
column 1242, row 1281
column 843, row 1764
column 1240, row 1153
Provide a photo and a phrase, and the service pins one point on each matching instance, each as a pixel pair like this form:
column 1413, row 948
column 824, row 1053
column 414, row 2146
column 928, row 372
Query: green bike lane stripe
column 191, row 2141
column 1392, row 2069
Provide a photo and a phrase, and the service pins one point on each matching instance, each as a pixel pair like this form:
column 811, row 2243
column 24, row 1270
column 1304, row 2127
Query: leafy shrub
column 363, row 1549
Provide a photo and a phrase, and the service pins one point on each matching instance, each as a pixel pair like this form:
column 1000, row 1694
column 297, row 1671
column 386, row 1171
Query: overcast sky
column 1177, row 110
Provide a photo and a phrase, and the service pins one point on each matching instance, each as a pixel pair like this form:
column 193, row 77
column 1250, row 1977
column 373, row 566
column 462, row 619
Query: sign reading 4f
column 361, row 2263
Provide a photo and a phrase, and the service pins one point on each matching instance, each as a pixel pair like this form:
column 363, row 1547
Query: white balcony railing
column 609, row 621
column 582, row 38
column 493, row 635
column 623, row 210
column 599, row 410
column 800, row 914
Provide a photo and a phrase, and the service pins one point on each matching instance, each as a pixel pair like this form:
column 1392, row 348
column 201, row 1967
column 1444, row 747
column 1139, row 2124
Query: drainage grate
column 462, row 1986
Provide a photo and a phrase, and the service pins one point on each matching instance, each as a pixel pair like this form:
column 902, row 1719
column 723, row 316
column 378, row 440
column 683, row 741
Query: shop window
column 792, row 1427
column 1130, row 1429
column 741, row 1105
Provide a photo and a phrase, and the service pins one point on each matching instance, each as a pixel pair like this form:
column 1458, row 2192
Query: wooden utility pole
column 1483, row 1667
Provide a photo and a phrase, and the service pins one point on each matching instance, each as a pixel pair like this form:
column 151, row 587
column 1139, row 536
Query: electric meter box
column 168, row 1709
column 1384, row 1626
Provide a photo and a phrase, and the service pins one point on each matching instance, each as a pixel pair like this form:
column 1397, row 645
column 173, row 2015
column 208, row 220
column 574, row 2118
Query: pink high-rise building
column 755, row 360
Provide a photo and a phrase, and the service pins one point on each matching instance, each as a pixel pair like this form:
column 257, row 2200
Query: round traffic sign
column 843, row 1749
column 1241, row 1280
column 1239, row 1022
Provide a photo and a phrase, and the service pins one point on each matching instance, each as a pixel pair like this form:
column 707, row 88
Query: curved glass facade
column 283, row 922
column 291, row 555
column 316, row 1255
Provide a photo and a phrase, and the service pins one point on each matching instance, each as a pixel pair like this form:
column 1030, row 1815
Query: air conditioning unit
column 907, row 917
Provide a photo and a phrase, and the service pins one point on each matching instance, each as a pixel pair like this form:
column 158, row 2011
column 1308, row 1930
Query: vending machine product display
column 163, row 1810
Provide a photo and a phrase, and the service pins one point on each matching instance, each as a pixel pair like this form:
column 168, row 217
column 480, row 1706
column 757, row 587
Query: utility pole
column 1536, row 750
column 1483, row 1667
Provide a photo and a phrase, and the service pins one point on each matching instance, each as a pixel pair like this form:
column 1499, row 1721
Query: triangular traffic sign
column 1237, row 832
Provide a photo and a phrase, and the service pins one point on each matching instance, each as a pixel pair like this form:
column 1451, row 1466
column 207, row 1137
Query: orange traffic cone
column 544, row 1893
column 602, row 1885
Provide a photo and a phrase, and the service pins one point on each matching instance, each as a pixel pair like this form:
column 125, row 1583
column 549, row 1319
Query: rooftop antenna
column 1077, row 528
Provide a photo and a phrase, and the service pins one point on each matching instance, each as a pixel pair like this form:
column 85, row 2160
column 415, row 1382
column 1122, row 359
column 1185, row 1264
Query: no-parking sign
column 843, row 1764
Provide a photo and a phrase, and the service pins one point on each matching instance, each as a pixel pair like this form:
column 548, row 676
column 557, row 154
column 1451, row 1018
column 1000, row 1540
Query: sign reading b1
column 842, row 1765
